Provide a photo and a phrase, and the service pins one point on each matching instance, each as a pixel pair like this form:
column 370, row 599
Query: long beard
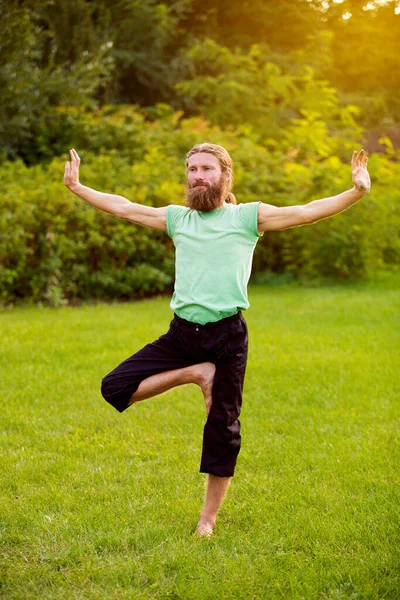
column 206, row 199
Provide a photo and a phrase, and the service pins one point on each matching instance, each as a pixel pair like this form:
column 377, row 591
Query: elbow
column 120, row 213
column 122, row 210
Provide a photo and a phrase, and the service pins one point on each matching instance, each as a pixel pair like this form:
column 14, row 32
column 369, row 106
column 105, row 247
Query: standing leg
column 221, row 439
column 216, row 490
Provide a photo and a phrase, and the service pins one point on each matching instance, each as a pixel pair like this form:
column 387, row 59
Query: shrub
column 55, row 248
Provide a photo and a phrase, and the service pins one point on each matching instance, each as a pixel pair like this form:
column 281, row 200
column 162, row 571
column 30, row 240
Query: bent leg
column 160, row 356
column 201, row 374
column 157, row 367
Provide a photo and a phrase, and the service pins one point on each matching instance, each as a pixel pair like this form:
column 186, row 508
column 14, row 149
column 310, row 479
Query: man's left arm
column 272, row 218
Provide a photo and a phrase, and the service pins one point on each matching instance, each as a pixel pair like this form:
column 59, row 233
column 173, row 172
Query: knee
column 118, row 398
column 107, row 389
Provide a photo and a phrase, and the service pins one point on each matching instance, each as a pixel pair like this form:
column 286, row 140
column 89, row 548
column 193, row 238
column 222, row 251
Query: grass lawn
column 97, row 505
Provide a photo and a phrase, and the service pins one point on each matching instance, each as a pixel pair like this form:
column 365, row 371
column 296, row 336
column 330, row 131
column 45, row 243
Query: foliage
column 280, row 60
column 56, row 248
column 34, row 79
column 289, row 89
column 249, row 88
column 363, row 68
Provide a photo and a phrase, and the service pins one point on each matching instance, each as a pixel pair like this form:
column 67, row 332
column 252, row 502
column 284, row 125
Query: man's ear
column 228, row 175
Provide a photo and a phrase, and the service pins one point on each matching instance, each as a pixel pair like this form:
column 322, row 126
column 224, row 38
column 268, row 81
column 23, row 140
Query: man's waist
column 211, row 324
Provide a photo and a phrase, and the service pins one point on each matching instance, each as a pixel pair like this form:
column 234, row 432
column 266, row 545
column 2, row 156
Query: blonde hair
column 225, row 162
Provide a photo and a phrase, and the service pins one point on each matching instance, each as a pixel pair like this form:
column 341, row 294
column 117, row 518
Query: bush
column 55, row 248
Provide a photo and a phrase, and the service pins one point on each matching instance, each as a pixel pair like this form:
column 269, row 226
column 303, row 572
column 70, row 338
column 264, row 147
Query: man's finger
column 356, row 158
column 354, row 161
column 76, row 155
column 363, row 160
column 360, row 157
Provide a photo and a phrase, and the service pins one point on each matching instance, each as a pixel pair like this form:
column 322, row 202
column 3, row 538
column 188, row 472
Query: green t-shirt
column 214, row 252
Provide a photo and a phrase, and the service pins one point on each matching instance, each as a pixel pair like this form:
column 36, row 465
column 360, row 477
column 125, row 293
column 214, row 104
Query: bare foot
column 205, row 373
column 204, row 529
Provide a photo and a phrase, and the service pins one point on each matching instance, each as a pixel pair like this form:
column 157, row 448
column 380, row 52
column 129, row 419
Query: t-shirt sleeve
column 249, row 217
column 173, row 213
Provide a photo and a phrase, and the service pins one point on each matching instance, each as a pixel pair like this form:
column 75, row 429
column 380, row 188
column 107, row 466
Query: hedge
column 55, row 248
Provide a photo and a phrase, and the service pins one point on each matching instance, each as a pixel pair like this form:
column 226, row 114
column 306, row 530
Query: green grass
column 100, row 505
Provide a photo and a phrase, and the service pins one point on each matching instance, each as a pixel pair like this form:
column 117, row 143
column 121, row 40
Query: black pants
column 223, row 343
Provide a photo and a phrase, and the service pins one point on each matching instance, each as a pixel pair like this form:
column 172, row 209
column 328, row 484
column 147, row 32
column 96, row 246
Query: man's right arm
column 119, row 206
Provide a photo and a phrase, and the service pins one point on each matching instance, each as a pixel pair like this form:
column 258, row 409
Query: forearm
column 327, row 207
column 109, row 203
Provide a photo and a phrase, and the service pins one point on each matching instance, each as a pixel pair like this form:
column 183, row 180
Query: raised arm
column 119, row 206
column 273, row 218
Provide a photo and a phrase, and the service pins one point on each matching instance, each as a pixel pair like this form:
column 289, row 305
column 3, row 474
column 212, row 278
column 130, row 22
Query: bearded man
column 207, row 340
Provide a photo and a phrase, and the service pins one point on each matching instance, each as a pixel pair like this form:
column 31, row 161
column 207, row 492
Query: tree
column 39, row 72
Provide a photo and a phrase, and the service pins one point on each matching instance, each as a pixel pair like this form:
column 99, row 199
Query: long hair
column 225, row 162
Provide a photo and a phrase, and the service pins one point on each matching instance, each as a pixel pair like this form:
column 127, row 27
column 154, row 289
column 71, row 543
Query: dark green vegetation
column 290, row 88
column 95, row 52
column 97, row 505
column 54, row 248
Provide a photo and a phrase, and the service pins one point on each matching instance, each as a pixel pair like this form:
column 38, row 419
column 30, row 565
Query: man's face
column 207, row 185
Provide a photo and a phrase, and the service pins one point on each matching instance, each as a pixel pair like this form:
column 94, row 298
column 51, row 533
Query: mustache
column 199, row 183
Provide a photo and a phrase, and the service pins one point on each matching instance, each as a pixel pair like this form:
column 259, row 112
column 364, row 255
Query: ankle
column 204, row 530
column 208, row 518
column 197, row 374
column 203, row 373
column 194, row 373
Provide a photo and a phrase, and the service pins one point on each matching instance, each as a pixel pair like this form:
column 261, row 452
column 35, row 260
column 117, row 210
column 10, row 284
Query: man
column 206, row 344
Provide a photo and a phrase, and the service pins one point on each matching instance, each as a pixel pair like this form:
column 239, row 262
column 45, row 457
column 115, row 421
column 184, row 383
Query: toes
column 204, row 530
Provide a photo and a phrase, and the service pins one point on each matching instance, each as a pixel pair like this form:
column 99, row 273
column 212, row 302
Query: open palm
column 360, row 175
column 71, row 173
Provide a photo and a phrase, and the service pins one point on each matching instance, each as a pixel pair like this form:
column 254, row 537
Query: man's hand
column 121, row 207
column 360, row 174
column 273, row 218
column 71, row 173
